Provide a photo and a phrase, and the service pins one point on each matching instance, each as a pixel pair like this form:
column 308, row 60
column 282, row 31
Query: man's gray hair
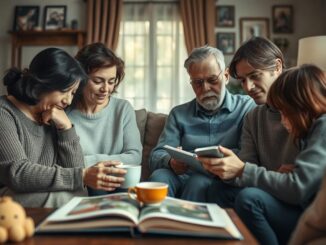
column 199, row 54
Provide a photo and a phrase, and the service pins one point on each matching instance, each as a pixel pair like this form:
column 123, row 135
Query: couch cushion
column 141, row 118
column 154, row 126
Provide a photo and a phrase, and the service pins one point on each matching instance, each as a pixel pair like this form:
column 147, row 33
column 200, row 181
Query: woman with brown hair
column 300, row 95
column 105, row 124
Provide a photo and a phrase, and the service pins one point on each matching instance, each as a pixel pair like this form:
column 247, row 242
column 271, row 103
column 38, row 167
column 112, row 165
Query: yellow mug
column 149, row 192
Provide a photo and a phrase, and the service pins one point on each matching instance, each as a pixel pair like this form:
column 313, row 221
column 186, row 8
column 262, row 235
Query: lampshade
column 312, row 50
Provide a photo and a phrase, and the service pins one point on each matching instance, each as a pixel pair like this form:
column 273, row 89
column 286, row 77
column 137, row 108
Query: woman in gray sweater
column 300, row 95
column 41, row 161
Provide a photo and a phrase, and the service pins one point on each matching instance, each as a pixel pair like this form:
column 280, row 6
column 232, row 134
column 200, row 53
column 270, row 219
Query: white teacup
column 132, row 177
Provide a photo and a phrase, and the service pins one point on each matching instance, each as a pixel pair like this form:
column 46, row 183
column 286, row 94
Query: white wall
column 309, row 20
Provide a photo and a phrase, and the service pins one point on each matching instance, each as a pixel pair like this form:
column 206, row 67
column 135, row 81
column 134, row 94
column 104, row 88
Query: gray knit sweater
column 266, row 145
column 39, row 166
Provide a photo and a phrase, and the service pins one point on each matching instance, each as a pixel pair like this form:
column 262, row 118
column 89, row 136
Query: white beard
column 209, row 105
column 214, row 102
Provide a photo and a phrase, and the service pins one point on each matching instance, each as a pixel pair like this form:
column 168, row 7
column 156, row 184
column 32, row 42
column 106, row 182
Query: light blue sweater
column 111, row 134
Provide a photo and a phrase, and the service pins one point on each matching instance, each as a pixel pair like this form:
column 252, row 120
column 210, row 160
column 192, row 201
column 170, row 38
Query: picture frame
column 54, row 17
column 225, row 41
column 225, row 16
column 26, row 17
column 282, row 17
column 250, row 27
column 282, row 43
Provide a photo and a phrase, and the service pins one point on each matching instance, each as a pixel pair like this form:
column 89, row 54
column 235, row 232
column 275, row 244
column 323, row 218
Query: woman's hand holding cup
column 104, row 175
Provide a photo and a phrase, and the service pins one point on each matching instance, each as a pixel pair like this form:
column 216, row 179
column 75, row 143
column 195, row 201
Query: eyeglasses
column 213, row 80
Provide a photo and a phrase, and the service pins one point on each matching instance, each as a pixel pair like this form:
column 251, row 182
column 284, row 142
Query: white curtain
column 151, row 42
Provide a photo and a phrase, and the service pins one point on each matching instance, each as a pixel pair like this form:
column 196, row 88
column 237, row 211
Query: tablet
column 186, row 157
column 210, row 151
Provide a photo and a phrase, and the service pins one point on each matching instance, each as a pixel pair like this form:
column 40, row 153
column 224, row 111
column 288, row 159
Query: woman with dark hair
column 300, row 95
column 41, row 161
column 106, row 125
column 40, row 157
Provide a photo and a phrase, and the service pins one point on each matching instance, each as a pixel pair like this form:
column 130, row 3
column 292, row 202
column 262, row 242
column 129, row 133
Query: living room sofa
column 150, row 127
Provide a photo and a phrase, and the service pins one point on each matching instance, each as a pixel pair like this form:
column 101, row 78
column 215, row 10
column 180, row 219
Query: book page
column 185, row 211
column 230, row 226
column 81, row 208
column 180, row 217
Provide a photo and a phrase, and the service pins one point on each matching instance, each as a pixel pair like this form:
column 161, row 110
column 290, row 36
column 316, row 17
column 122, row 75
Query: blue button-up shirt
column 189, row 126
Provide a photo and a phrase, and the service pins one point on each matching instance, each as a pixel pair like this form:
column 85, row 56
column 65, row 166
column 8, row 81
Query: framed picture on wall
column 282, row 16
column 54, row 17
column 26, row 18
column 225, row 16
column 225, row 41
column 253, row 27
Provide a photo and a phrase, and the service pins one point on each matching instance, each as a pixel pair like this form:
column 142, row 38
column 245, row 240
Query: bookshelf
column 41, row 38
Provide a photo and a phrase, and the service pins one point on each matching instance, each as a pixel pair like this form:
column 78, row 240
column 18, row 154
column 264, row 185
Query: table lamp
column 312, row 50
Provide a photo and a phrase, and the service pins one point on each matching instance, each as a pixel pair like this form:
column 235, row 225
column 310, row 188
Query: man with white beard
column 214, row 117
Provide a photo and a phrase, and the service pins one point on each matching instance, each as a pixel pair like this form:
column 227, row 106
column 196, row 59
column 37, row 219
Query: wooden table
column 38, row 214
column 40, row 38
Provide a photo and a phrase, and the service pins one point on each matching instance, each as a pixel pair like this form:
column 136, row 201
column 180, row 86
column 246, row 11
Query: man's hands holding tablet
column 182, row 160
column 210, row 151
column 227, row 167
column 178, row 167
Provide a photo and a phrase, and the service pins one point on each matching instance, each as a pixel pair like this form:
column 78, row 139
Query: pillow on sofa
column 141, row 118
column 154, row 126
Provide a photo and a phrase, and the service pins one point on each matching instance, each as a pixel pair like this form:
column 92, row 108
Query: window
column 151, row 43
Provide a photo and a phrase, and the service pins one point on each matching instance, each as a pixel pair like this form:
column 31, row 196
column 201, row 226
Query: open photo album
column 119, row 213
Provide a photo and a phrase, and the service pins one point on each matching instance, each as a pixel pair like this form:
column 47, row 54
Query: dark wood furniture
column 38, row 214
column 41, row 38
